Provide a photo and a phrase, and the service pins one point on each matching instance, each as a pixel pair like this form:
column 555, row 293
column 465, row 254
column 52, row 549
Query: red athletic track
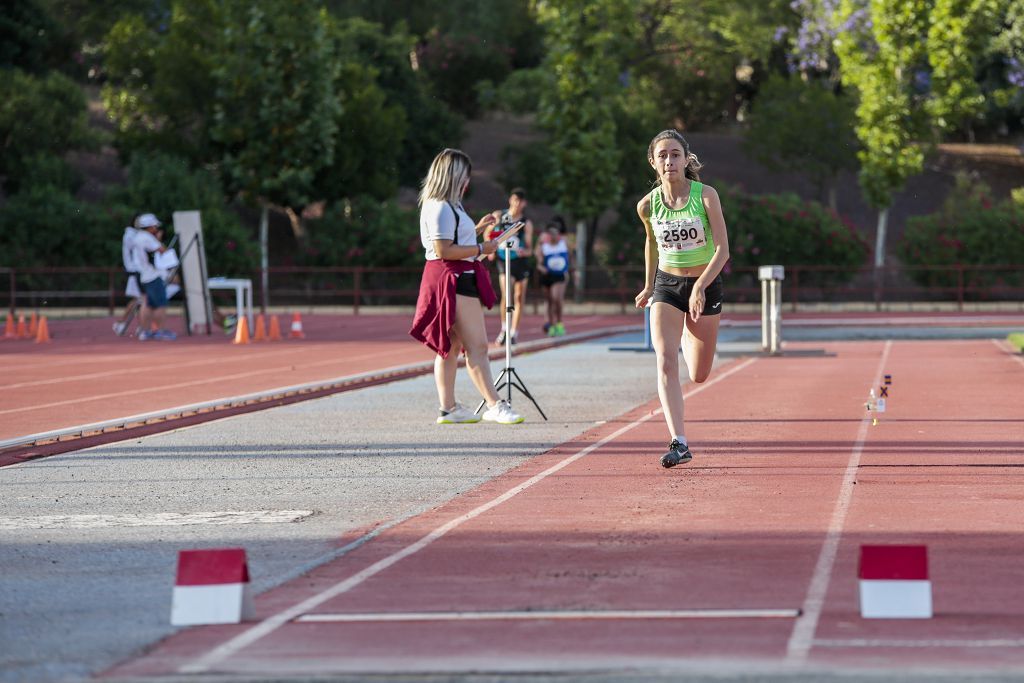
column 788, row 481
column 86, row 375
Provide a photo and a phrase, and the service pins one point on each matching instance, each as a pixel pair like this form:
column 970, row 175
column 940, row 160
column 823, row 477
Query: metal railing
column 356, row 286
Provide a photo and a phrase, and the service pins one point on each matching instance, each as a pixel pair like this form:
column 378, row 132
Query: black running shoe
column 678, row 454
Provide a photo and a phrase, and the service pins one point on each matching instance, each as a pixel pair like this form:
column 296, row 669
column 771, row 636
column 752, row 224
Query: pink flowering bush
column 785, row 229
column 971, row 229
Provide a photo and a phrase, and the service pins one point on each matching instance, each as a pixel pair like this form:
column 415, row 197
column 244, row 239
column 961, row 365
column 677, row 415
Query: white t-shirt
column 437, row 222
column 126, row 248
column 144, row 244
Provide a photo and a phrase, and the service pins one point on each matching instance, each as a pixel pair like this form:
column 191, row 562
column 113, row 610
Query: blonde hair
column 693, row 165
column 448, row 173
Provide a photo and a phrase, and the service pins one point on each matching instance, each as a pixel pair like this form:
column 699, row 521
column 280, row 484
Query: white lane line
column 152, row 519
column 802, row 638
column 858, row 642
column 274, row 622
column 181, row 385
column 547, row 615
column 137, row 370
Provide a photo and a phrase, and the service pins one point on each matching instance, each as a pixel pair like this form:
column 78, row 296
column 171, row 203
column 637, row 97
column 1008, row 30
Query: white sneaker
column 119, row 328
column 500, row 338
column 502, row 413
column 460, row 414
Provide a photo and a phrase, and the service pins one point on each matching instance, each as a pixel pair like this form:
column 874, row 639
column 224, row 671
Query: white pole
column 510, row 292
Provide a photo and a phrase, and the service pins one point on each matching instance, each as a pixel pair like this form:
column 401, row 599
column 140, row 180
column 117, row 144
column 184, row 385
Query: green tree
column 886, row 51
column 43, row 115
column 28, row 37
column 385, row 105
column 160, row 90
column 878, row 61
column 579, row 111
column 959, row 34
column 806, row 125
column 276, row 112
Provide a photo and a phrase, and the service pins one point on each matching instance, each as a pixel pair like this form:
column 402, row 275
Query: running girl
column 687, row 246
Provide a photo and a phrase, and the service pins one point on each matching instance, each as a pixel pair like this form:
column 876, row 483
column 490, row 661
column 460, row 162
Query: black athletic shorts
column 518, row 268
column 465, row 284
column 549, row 278
column 675, row 291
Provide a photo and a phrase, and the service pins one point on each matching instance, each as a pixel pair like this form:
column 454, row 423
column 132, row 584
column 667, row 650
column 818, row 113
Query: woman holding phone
column 454, row 289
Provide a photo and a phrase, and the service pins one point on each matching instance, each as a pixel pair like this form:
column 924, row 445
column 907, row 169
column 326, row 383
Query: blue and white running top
column 556, row 256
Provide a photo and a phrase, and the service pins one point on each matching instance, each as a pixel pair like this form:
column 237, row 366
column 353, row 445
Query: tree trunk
column 879, row 275
column 581, row 259
column 883, row 222
column 298, row 226
column 264, row 258
column 833, row 196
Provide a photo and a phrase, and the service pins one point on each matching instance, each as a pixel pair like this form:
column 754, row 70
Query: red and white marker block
column 212, row 587
column 894, row 582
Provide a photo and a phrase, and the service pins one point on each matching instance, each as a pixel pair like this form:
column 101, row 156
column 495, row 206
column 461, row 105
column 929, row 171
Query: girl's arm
column 713, row 208
column 643, row 209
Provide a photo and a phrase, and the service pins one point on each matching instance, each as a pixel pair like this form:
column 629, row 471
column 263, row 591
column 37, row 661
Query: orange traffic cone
column 261, row 329
column 242, row 331
column 22, row 331
column 275, row 329
column 33, row 325
column 9, row 329
column 42, row 331
column 297, row 332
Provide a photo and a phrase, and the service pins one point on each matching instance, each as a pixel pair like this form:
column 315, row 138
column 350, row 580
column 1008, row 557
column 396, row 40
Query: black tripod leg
column 516, row 381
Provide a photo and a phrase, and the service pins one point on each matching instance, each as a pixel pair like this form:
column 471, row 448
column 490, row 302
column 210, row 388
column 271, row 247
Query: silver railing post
column 771, row 278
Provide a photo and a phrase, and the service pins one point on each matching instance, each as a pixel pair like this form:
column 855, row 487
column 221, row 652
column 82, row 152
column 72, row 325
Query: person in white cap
column 144, row 249
column 132, row 289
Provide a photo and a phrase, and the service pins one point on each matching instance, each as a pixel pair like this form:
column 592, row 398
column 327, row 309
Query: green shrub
column 363, row 232
column 971, row 229
column 44, row 226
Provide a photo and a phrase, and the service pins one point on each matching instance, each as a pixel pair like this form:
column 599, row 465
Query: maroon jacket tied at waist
column 435, row 308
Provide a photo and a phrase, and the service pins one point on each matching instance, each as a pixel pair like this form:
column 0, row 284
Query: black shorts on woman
column 675, row 290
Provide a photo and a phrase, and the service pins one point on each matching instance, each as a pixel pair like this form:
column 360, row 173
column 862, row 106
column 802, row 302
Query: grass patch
column 1017, row 339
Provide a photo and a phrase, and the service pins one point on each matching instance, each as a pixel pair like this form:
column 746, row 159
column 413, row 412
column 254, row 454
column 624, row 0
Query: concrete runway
column 74, row 601
column 86, row 593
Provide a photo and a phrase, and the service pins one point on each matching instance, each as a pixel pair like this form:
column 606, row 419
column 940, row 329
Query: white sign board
column 198, row 307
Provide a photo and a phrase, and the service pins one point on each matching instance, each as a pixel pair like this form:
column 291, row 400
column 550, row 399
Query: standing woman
column 454, row 289
column 687, row 246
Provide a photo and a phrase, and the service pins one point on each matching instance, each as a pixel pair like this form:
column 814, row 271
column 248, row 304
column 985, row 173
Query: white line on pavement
column 225, row 650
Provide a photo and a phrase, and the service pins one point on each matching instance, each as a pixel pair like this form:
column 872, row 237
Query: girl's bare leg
column 666, row 330
column 699, row 344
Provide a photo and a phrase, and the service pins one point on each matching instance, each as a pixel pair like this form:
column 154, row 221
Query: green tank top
column 683, row 235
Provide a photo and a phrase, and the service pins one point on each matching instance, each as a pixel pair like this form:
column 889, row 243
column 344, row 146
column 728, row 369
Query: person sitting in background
column 144, row 249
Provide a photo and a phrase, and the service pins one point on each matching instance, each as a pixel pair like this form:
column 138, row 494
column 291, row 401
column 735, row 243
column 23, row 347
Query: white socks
column 681, row 439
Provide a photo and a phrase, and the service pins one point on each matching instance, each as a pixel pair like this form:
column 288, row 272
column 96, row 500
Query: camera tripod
column 509, row 377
